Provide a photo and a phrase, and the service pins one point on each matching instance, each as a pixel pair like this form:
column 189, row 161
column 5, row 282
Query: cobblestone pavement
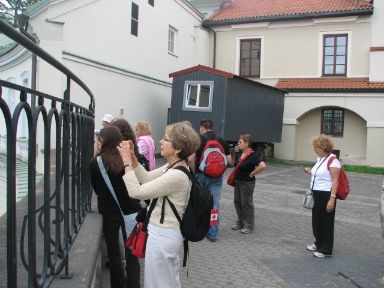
column 275, row 255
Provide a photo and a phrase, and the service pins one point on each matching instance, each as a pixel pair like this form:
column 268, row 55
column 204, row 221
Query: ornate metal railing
column 37, row 232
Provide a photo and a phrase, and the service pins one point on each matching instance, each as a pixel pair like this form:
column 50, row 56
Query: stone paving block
column 274, row 256
column 345, row 270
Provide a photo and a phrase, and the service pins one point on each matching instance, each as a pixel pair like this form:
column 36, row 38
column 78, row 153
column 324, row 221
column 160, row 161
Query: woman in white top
column 324, row 183
column 162, row 263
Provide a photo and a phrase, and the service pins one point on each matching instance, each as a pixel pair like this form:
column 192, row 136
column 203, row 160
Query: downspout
column 214, row 44
column 214, row 48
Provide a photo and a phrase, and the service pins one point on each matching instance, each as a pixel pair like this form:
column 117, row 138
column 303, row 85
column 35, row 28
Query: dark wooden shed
column 236, row 105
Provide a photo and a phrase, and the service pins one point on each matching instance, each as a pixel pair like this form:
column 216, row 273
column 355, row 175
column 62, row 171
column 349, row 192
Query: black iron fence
column 38, row 229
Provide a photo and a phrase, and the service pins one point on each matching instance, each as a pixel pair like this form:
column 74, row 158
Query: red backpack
column 343, row 188
column 213, row 161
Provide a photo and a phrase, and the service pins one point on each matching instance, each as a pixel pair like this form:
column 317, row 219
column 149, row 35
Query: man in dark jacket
column 214, row 184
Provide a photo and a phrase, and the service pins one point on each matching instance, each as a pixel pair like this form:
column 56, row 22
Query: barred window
column 332, row 121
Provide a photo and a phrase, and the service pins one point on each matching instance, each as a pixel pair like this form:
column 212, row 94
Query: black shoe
column 236, row 227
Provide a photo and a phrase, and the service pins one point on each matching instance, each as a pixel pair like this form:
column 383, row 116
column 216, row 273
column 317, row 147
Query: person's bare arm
column 229, row 160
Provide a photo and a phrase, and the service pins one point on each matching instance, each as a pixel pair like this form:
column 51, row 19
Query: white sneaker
column 312, row 247
column 320, row 255
column 245, row 231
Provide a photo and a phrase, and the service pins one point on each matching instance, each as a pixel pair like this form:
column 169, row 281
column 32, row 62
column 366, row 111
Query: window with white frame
column 198, row 95
column 335, row 48
column 172, row 32
column 250, row 56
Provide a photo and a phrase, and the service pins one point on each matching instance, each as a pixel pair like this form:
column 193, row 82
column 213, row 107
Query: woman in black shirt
column 113, row 221
column 248, row 166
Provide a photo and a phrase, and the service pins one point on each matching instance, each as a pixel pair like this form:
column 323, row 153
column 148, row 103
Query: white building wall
column 124, row 72
column 18, row 72
column 293, row 49
column 376, row 72
column 361, row 142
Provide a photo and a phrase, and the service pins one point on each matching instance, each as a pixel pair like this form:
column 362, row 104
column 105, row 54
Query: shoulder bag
column 232, row 177
column 130, row 219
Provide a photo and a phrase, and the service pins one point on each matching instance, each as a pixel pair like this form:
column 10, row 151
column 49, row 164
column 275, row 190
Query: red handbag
column 137, row 241
column 231, row 178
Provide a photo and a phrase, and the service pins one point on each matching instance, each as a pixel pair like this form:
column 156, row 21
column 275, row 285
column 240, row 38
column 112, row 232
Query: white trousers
column 162, row 262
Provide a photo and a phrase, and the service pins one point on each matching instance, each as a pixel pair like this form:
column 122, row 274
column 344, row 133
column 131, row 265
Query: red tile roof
column 316, row 84
column 245, row 9
column 202, row 68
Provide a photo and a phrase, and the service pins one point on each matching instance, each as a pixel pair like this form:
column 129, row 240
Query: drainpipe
column 214, row 44
column 214, row 48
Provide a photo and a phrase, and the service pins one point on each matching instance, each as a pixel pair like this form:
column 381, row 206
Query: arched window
column 22, row 129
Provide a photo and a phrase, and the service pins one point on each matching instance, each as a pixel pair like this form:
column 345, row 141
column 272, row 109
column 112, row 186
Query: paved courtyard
column 275, row 255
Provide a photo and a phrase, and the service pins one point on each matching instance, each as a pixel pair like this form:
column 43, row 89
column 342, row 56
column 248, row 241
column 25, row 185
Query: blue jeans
column 214, row 185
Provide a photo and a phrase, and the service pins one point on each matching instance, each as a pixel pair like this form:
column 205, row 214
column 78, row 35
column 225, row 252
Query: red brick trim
column 376, row 49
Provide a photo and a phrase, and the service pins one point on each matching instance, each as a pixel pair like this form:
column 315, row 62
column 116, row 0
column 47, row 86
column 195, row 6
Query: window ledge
column 172, row 54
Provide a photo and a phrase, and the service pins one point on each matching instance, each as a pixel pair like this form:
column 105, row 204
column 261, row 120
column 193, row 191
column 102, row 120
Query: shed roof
column 241, row 11
column 218, row 72
column 202, row 68
column 330, row 84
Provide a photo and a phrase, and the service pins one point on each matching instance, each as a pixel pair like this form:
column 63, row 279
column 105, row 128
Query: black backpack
column 195, row 222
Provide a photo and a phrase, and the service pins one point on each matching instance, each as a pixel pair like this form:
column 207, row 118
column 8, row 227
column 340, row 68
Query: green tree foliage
column 10, row 8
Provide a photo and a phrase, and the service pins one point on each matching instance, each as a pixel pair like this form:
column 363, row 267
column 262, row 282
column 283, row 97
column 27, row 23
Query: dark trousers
column 323, row 222
column 118, row 278
column 243, row 201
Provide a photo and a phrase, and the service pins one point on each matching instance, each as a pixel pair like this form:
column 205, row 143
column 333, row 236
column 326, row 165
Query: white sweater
column 175, row 184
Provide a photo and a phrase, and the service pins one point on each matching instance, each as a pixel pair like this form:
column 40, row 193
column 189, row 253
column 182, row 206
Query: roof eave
column 282, row 90
column 334, row 90
column 209, row 23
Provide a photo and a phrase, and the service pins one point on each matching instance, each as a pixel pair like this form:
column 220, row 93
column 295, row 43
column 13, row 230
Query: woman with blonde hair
column 145, row 142
column 324, row 183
